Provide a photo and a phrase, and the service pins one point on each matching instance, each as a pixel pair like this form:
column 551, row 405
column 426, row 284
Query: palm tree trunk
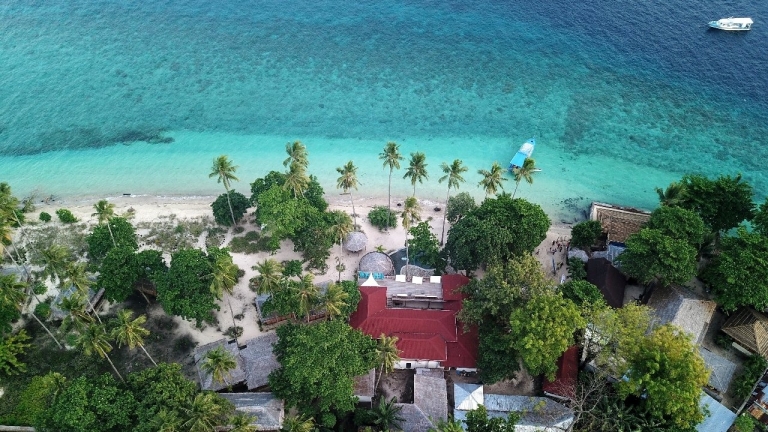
column 381, row 373
column 414, row 188
column 445, row 213
column 46, row 330
column 354, row 213
column 407, row 259
column 93, row 309
column 111, row 235
column 231, row 212
column 389, row 200
column 517, row 183
column 234, row 324
column 147, row 354
column 106, row 356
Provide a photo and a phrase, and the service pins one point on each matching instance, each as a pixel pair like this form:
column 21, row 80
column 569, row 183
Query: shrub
column 753, row 370
column 239, row 229
column 39, row 288
column 43, row 310
column 581, row 291
column 221, row 207
column 585, row 234
column 459, row 206
column 45, row 217
column 66, row 216
column 292, row 268
column 382, row 218
column 577, row 269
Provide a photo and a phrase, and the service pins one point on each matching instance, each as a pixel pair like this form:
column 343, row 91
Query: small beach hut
column 376, row 262
column 749, row 329
column 355, row 241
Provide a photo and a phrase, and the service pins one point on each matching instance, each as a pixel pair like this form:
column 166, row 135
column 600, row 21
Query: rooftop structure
column 618, row 222
column 376, row 262
column 268, row 410
column 365, row 386
column 749, row 329
column 236, row 375
column 564, row 385
column 719, row 419
column 94, row 297
column 259, row 360
column 423, row 334
column 608, row 279
column 721, row 370
column 683, row 308
column 430, row 402
column 355, row 241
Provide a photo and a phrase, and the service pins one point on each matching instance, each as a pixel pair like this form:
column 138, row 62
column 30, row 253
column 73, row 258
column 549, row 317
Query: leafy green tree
column 313, row 194
column 497, row 358
column 744, row 423
column 577, row 269
column 131, row 332
column 672, row 195
column 525, row 172
column 492, row 180
column 613, row 334
column 315, row 239
column 459, row 206
column 12, row 347
column 543, row 329
column 738, row 273
column 122, row 270
column 722, row 203
column 348, row 181
column 453, row 174
column 105, row 211
column 669, row 371
column 581, row 292
column 386, row 415
column 38, row 396
column 156, row 389
column 318, row 365
column 391, row 157
column 417, row 169
column 760, row 221
column 424, row 246
column 87, row 405
column 94, row 340
column 387, row 355
column 224, row 172
column 45, row 217
column 352, row 299
column 743, row 384
column 496, row 231
column 652, row 256
column 100, row 240
column 382, row 218
column 678, row 223
column 585, row 234
column 228, row 206
column 219, row 363
column 283, row 215
column 479, row 421
column 183, row 290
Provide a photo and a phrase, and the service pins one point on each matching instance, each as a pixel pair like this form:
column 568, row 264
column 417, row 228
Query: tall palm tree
column 223, row 280
column 297, row 154
column 296, row 180
column 391, row 157
column 105, row 211
column 75, row 274
column 225, row 172
column 94, row 340
column 241, row 422
column 492, row 180
column 341, row 227
column 417, row 169
column 203, row 413
column 76, row 318
column 386, row 415
column 672, row 195
column 411, row 214
column 131, row 331
column 524, row 172
column 270, row 275
column 219, row 363
column 334, row 300
column 387, row 355
column 307, row 293
column 6, row 238
column 453, row 174
column 298, row 423
column 54, row 260
column 12, row 294
column 348, row 181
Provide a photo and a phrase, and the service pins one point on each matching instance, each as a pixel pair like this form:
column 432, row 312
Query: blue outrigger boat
column 526, row 150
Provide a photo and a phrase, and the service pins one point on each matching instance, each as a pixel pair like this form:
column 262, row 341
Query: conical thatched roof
column 355, row 241
column 750, row 329
column 377, row 262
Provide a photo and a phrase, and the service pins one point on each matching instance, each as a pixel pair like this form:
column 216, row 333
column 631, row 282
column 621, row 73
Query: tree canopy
column 459, row 206
column 496, row 231
column 184, row 289
column 318, row 365
column 678, row 223
column 221, row 211
column 586, row 233
column 424, row 246
column 581, row 292
column 722, row 203
column 100, row 240
column 653, row 256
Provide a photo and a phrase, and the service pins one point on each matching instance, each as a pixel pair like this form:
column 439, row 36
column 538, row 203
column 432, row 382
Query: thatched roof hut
column 431, row 396
column 618, row 222
column 377, row 262
column 259, row 359
column 749, row 329
column 355, row 241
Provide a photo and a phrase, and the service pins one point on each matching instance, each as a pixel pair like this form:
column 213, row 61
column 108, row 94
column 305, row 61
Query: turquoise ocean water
column 622, row 96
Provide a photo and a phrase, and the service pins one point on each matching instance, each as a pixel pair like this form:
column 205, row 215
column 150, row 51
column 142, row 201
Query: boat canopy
column 743, row 21
column 523, row 153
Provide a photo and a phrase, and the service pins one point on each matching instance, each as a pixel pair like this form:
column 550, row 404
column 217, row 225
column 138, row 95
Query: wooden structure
column 749, row 329
column 618, row 222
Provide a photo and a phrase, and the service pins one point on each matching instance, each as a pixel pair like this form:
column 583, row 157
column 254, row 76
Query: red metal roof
column 567, row 374
column 423, row 334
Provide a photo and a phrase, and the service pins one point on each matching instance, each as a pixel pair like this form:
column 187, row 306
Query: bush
column 459, row 206
column 753, row 370
column 43, row 310
column 66, row 216
column 581, row 291
column 585, row 234
column 292, row 268
column 383, row 218
column 577, row 269
column 239, row 229
column 45, row 217
column 39, row 288
column 221, row 207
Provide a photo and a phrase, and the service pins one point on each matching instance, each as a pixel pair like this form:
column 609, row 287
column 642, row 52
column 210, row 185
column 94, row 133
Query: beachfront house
column 254, row 362
column 749, row 330
column 618, row 222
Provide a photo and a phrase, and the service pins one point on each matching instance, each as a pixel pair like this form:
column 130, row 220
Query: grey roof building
column 268, row 410
column 721, row 370
column 364, row 386
column 259, row 360
column 430, row 402
column 719, row 419
column 684, row 309
column 236, row 375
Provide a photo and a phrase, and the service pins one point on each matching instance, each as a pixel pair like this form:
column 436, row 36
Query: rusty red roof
column 567, row 374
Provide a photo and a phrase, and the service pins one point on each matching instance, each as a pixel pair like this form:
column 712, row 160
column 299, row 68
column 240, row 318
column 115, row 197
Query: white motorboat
column 732, row 24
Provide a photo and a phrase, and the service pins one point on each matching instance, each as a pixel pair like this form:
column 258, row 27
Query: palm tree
column 453, row 175
column 448, row 426
column 77, row 318
column 341, row 227
column 12, row 294
column 75, row 274
column 411, row 214
column 270, row 275
column 387, row 355
column 308, row 293
column 525, row 172
column 225, row 172
column 54, row 260
column 417, row 169
column 296, row 180
column 94, row 340
column 334, row 300
column 203, row 413
column 166, row 421
column 298, row 424
column 223, row 280
column 348, row 181
column 673, row 195
column 492, row 179
column 241, row 422
column 391, row 157
column 386, row 415
column 297, row 154
column 131, row 332
column 219, row 363
column 105, row 211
